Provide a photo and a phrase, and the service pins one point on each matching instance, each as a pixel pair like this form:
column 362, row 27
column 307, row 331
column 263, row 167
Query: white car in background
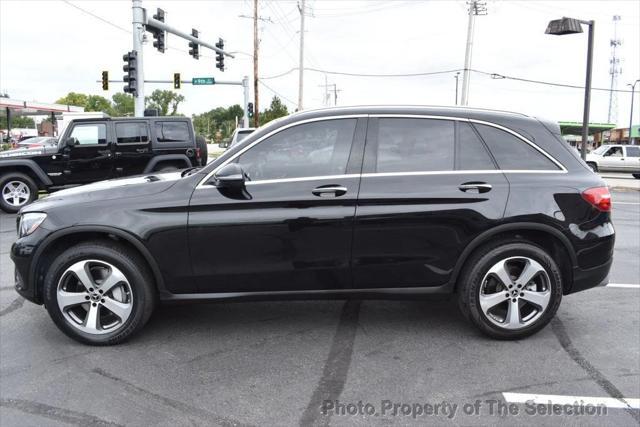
column 616, row 158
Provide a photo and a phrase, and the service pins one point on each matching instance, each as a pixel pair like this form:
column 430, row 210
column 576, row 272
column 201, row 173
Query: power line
column 106, row 21
column 276, row 93
column 343, row 73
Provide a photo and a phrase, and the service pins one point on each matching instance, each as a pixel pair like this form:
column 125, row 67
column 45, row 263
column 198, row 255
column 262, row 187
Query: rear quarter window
column 511, row 152
column 172, row 131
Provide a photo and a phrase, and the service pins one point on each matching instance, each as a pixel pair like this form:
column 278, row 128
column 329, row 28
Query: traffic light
column 194, row 48
column 130, row 67
column 105, row 80
column 250, row 109
column 219, row 55
column 158, row 34
column 176, row 80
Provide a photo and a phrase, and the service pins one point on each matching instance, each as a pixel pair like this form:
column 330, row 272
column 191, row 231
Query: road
column 275, row 363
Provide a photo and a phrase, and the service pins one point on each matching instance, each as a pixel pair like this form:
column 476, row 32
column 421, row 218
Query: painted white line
column 545, row 399
column 623, row 285
column 625, row 203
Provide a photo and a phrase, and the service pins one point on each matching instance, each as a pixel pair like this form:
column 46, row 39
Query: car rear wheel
column 16, row 190
column 510, row 290
column 593, row 166
column 99, row 293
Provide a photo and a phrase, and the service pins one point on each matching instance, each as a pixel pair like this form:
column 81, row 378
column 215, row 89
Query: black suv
column 349, row 202
column 97, row 149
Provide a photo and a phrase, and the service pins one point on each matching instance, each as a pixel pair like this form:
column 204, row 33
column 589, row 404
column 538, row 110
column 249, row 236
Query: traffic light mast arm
column 162, row 26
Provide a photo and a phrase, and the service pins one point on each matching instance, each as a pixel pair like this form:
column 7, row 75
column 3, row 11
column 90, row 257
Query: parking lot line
column 626, row 203
column 544, row 399
column 623, row 285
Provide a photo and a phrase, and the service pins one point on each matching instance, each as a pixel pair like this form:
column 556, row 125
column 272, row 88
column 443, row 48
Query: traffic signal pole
column 138, row 37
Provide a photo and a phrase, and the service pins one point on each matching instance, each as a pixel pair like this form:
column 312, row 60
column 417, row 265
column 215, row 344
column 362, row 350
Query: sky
column 49, row 48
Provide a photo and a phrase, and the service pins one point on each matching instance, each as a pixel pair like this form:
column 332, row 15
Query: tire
column 131, row 293
column 201, row 143
column 636, row 175
column 492, row 316
column 16, row 190
column 593, row 166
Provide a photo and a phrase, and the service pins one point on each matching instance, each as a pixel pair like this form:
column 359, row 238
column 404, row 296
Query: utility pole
column 456, row 77
column 614, row 70
column 301, row 8
column 475, row 8
column 138, row 36
column 256, row 115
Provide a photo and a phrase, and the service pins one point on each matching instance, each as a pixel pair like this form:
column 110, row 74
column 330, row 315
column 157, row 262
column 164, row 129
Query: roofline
column 399, row 107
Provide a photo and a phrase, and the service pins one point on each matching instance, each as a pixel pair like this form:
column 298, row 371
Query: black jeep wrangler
column 96, row 149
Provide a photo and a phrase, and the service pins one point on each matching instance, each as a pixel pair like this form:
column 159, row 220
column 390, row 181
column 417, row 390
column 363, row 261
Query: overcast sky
column 48, row 48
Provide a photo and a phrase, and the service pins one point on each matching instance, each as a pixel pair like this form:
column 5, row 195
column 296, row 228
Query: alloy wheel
column 16, row 193
column 515, row 292
column 95, row 297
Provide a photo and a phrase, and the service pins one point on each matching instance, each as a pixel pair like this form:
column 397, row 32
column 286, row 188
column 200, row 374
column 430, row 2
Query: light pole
column 456, row 77
column 559, row 27
column 633, row 88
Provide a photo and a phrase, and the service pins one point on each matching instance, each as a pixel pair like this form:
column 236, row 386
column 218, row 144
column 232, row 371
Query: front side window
column 90, row 133
column 132, row 133
column 171, row 131
column 414, row 145
column 311, row 149
column 511, row 152
column 633, row 151
column 614, row 152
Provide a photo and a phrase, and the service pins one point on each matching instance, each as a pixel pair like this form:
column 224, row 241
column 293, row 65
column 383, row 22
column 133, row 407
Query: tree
column 18, row 122
column 276, row 110
column 123, row 104
column 98, row 103
column 223, row 119
column 163, row 100
column 73, row 98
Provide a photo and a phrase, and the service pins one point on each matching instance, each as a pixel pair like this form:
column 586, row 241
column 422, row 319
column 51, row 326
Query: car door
column 90, row 159
column 613, row 159
column 428, row 187
column 133, row 147
column 291, row 228
column 632, row 159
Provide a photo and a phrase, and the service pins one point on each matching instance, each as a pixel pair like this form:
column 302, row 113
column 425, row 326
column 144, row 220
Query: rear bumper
column 584, row 279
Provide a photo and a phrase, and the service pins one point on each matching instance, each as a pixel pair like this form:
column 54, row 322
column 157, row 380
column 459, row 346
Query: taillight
column 599, row 198
column 198, row 153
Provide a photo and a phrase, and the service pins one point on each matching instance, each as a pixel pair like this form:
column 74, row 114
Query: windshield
column 601, row 150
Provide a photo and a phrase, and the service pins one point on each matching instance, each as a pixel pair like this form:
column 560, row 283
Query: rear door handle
column 475, row 187
column 329, row 190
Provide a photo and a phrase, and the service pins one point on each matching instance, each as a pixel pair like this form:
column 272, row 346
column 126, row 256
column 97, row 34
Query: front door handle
column 475, row 187
column 329, row 190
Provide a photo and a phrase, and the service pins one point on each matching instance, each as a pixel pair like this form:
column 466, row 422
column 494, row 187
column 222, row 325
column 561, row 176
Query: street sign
column 203, row 81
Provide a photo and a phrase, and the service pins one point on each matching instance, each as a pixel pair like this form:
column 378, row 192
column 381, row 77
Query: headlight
column 29, row 222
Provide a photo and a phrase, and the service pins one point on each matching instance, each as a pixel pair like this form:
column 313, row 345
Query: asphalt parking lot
column 280, row 363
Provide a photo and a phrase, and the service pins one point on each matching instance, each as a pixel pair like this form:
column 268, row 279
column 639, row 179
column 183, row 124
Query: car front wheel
column 510, row 290
column 99, row 293
column 16, row 190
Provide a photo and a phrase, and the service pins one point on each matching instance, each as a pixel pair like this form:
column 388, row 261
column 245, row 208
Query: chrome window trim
column 202, row 182
column 562, row 170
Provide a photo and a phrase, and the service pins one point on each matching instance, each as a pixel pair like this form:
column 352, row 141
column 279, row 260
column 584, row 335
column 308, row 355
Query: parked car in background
column 374, row 202
column 96, row 149
column 615, row 158
column 37, row 141
column 239, row 135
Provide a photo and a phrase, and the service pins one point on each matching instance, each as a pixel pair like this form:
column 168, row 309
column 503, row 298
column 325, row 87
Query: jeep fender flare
column 164, row 158
column 30, row 164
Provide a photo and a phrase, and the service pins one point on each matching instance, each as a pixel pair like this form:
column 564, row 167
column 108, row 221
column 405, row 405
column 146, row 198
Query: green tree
column 73, row 98
column 18, row 122
column 164, row 100
column 223, row 119
column 276, row 110
column 98, row 103
column 122, row 104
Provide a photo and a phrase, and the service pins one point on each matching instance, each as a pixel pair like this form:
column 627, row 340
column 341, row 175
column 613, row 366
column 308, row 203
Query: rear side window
column 171, row 131
column 471, row 154
column 511, row 152
column 633, row 151
column 415, row 145
column 132, row 133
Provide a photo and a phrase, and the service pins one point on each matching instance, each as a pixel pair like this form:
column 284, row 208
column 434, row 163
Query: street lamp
column 456, row 77
column 560, row 27
column 633, row 88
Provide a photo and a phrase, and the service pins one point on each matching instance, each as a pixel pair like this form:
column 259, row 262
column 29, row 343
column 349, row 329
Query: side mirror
column 70, row 142
column 230, row 176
